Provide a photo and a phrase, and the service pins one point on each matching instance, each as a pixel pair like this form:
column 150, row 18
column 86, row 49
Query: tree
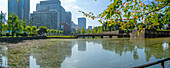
column 100, row 29
column 77, row 30
column 52, row 31
column 88, row 31
column 34, row 28
column 83, row 30
column 4, row 28
column 61, row 32
column 28, row 29
column 24, row 24
column 18, row 27
column 72, row 32
column 127, row 13
column 48, row 31
column 12, row 23
column 1, row 22
column 42, row 30
column 30, row 23
column 57, row 31
column 94, row 30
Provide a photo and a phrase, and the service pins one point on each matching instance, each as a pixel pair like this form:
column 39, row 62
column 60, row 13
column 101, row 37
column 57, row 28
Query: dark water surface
column 84, row 53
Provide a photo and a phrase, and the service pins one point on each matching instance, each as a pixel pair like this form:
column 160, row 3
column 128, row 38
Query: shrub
column 21, row 34
column 32, row 34
column 25, row 34
column 17, row 34
column 7, row 34
column 0, row 34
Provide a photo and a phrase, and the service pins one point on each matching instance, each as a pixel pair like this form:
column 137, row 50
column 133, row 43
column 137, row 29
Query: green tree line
column 88, row 31
column 16, row 27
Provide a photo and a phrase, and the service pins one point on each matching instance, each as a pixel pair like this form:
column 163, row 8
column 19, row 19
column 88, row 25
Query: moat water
column 84, row 53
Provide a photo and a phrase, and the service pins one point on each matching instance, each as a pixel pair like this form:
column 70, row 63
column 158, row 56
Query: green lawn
column 62, row 36
column 162, row 30
column 18, row 36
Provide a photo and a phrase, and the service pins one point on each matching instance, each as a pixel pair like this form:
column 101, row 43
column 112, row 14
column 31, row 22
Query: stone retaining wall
column 21, row 38
column 149, row 34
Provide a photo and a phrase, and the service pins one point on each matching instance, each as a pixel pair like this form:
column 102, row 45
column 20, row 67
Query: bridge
column 109, row 34
column 102, row 35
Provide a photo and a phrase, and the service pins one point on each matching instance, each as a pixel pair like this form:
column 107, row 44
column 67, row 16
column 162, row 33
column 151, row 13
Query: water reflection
column 81, row 45
column 85, row 53
column 3, row 56
column 33, row 63
column 54, row 55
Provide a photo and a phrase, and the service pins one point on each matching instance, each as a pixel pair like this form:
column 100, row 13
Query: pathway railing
column 154, row 63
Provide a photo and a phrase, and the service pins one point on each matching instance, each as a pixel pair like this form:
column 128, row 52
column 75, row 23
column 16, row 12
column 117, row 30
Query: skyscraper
column 51, row 14
column 82, row 23
column 20, row 8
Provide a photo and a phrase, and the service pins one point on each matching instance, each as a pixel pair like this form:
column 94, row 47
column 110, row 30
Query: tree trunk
column 12, row 30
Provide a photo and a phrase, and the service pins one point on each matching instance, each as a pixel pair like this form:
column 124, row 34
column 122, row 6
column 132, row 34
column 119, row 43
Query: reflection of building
column 33, row 63
column 3, row 59
column 90, row 27
column 82, row 23
column 20, row 8
column 81, row 46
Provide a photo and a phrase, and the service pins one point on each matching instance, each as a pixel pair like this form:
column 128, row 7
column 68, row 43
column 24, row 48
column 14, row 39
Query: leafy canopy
column 128, row 13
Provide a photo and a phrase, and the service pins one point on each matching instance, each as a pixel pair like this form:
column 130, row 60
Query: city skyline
column 73, row 6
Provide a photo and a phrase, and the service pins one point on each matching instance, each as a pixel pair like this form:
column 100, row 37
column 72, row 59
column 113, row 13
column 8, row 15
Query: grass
column 62, row 36
column 162, row 30
column 15, row 36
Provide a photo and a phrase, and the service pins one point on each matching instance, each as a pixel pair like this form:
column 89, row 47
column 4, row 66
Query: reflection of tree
column 135, row 54
column 152, row 47
column 118, row 45
column 54, row 55
column 155, row 48
column 48, row 53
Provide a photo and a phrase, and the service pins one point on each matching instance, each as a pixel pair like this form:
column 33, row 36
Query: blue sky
column 73, row 6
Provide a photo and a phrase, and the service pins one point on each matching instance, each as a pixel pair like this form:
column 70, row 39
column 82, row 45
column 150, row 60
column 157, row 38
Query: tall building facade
column 51, row 14
column 82, row 23
column 74, row 27
column 20, row 8
column 47, row 18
